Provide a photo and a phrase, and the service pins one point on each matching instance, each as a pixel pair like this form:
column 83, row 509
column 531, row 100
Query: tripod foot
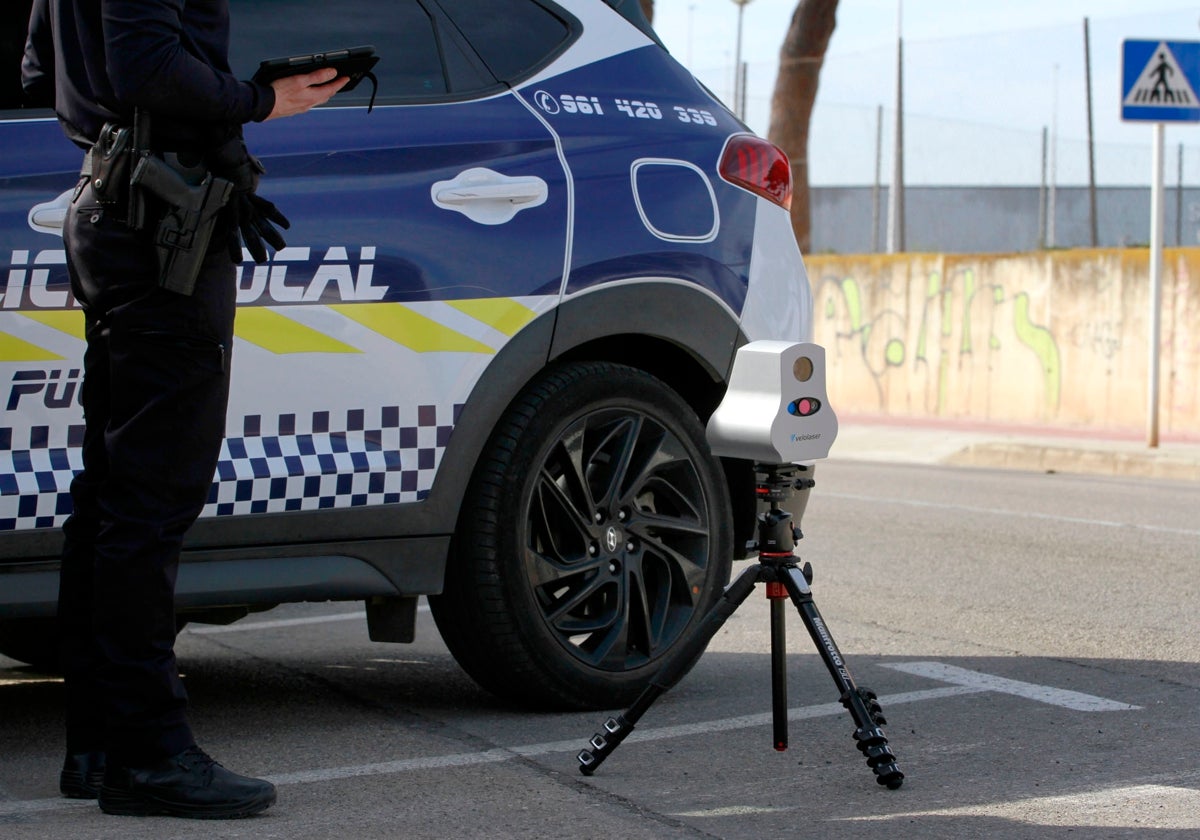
column 602, row 744
column 873, row 744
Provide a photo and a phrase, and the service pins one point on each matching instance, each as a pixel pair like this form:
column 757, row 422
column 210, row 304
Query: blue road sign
column 1159, row 81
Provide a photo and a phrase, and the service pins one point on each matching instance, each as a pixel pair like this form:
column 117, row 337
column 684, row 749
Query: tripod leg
column 777, row 593
column 616, row 729
column 861, row 703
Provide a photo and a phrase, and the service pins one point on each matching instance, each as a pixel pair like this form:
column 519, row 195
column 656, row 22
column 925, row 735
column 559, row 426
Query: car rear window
column 513, row 37
column 631, row 10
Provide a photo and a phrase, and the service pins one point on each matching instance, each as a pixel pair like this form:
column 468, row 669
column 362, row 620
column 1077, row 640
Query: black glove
column 252, row 218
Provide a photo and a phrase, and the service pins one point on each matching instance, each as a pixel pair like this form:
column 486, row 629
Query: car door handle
column 520, row 193
column 49, row 216
column 488, row 197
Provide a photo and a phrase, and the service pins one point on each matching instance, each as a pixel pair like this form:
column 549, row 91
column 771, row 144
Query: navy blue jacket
column 169, row 57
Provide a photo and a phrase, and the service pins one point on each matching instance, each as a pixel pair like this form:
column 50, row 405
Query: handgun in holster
column 189, row 217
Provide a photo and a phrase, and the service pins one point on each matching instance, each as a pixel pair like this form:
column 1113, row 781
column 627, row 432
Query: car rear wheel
column 594, row 537
column 33, row 641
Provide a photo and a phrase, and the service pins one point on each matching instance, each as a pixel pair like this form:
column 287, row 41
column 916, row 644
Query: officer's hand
column 296, row 94
column 254, row 218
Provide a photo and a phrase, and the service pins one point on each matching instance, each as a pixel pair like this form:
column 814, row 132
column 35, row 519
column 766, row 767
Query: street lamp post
column 895, row 233
column 739, row 76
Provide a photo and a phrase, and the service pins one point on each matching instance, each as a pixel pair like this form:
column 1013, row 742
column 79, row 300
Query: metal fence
column 997, row 219
column 996, row 149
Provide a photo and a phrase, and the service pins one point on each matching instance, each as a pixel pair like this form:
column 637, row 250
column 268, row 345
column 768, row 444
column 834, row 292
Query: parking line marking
column 499, row 754
column 1175, row 807
column 1031, row 691
column 279, row 622
column 963, row 682
column 31, row 806
column 283, row 622
column 576, row 744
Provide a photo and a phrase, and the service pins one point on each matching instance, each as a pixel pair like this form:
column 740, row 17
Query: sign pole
column 1160, row 83
column 1156, row 255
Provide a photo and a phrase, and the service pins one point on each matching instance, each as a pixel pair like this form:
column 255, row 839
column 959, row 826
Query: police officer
column 156, row 378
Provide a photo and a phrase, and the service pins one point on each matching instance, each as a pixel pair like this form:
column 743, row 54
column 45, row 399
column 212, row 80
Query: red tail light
column 761, row 167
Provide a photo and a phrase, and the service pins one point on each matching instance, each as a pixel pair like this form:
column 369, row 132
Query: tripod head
column 775, row 484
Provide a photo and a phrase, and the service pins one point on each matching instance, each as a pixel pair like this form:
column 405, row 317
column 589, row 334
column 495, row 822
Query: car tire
column 595, row 535
column 33, row 641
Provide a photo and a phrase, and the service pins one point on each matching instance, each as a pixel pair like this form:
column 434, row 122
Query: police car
column 480, row 370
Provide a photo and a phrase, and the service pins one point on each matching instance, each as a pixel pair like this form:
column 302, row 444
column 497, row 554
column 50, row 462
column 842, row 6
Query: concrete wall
column 1057, row 338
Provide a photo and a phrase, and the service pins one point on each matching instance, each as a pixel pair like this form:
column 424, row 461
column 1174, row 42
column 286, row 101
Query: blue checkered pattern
column 286, row 463
column 35, row 476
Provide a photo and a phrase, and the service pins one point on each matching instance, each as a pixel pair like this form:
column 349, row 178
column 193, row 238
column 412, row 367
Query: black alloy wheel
column 33, row 641
column 594, row 537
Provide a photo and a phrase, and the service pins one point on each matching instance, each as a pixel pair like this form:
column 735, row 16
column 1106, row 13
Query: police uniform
column 156, row 380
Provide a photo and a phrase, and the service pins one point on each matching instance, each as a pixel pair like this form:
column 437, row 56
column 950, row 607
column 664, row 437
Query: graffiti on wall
column 1054, row 338
column 919, row 342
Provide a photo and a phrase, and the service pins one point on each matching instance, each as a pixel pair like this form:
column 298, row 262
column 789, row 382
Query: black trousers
column 154, row 394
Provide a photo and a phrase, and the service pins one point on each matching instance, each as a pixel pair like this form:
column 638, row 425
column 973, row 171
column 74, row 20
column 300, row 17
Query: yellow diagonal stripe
column 13, row 349
column 69, row 321
column 397, row 322
column 279, row 334
column 502, row 314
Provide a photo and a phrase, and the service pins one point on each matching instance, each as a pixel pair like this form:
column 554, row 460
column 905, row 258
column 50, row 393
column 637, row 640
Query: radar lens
column 802, row 369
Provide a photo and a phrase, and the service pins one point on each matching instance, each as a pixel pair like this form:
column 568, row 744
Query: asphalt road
column 1033, row 639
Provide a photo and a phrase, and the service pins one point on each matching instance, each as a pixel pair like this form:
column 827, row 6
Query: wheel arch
column 675, row 331
column 679, row 334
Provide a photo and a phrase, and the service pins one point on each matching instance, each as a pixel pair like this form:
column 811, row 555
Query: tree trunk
column 800, row 61
column 648, row 9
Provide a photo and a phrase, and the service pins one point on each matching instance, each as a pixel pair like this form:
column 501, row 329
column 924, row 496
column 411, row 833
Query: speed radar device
column 776, row 413
column 775, row 410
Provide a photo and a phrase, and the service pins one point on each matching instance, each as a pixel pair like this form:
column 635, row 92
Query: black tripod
column 776, row 568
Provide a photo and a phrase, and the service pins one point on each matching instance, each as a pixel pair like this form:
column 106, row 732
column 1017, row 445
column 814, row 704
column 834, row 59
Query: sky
column 982, row 80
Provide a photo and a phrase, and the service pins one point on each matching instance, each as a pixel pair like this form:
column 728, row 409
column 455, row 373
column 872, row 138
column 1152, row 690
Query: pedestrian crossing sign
column 1160, row 80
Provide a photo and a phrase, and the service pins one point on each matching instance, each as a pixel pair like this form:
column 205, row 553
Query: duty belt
column 123, row 173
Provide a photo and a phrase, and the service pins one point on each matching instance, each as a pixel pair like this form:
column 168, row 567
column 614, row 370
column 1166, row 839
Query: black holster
column 108, row 166
column 125, row 173
column 189, row 216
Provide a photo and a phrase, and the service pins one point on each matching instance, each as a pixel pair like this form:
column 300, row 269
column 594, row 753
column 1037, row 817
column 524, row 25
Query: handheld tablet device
column 355, row 62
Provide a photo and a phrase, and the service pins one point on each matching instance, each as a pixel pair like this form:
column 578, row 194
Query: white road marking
column 1031, row 691
column 964, row 682
column 499, row 754
column 574, row 745
column 30, row 806
column 1102, row 523
column 241, row 626
column 735, row 811
column 1145, row 807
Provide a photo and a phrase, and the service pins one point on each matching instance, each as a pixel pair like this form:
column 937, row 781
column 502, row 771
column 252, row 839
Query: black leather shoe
column 189, row 784
column 82, row 775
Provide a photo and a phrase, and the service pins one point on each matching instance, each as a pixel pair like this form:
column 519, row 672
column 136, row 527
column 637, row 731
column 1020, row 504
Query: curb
column 1054, row 459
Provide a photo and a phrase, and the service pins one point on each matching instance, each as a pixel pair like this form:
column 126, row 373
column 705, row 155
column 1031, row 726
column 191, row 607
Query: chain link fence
column 995, row 139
